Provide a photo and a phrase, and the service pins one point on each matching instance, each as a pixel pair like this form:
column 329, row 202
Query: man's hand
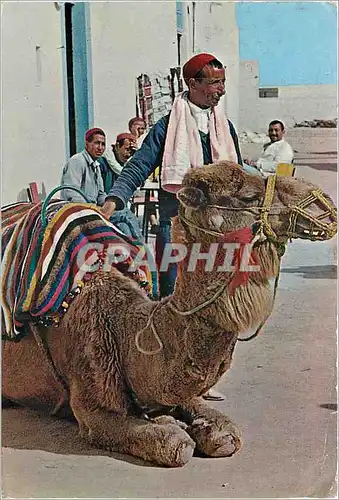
column 108, row 208
column 134, row 145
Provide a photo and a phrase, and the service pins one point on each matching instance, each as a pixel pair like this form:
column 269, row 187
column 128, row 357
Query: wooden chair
column 136, row 202
column 287, row 169
column 139, row 200
column 148, row 200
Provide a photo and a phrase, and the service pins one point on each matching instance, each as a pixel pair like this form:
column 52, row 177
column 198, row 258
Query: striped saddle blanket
column 44, row 259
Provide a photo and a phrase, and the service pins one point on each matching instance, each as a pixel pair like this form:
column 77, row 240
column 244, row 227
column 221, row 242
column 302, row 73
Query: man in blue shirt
column 83, row 170
column 205, row 78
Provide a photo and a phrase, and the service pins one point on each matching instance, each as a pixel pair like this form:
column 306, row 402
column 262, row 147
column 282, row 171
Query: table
column 149, row 188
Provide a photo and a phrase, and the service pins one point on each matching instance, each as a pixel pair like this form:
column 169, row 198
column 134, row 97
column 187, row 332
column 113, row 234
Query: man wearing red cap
column 83, row 170
column 111, row 165
column 197, row 131
column 122, row 150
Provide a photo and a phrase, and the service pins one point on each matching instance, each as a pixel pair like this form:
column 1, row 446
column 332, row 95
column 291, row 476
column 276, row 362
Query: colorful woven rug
column 45, row 263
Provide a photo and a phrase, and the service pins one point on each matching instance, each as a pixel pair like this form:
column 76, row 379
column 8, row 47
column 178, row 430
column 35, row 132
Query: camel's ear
column 191, row 197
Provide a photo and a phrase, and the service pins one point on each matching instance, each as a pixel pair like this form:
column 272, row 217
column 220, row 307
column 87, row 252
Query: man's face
column 208, row 91
column 275, row 132
column 96, row 147
column 125, row 151
column 138, row 128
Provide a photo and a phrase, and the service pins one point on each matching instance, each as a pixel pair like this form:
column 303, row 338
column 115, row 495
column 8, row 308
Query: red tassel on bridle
column 244, row 237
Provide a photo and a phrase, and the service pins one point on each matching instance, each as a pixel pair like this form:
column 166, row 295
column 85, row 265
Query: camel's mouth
column 313, row 234
column 318, row 235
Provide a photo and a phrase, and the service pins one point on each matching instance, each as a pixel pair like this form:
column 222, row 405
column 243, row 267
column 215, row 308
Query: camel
column 132, row 370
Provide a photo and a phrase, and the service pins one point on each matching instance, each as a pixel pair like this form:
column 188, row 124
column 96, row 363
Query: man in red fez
column 111, row 165
column 215, row 139
column 121, row 151
column 83, row 170
column 205, row 78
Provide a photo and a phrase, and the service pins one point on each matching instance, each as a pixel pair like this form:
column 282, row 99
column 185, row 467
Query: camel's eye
column 250, row 197
column 225, row 201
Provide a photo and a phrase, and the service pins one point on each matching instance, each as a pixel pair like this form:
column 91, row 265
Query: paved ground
column 280, row 390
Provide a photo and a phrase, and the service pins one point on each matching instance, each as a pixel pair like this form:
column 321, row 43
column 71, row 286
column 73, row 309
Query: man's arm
column 72, row 176
column 140, row 166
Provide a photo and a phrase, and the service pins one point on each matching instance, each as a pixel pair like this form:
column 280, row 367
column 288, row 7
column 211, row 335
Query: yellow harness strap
column 265, row 209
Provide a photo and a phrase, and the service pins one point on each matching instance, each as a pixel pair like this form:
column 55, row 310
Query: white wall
column 33, row 131
column 293, row 104
column 132, row 38
column 127, row 39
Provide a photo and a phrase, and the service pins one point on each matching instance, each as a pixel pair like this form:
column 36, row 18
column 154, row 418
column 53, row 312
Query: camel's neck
column 244, row 297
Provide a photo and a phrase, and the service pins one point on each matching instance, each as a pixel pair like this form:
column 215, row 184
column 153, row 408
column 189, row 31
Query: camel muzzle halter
column 318, row 229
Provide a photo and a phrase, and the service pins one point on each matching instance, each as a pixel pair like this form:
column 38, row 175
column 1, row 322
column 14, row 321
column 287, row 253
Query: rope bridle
column 316, row 223
column 264, row 232
column 264, row 227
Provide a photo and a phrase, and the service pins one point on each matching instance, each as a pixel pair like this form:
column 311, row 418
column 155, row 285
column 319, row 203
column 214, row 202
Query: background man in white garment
column 274, row 152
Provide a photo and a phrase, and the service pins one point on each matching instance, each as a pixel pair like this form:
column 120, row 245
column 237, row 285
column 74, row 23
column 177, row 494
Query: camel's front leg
column 214, row 433
column 165, row 444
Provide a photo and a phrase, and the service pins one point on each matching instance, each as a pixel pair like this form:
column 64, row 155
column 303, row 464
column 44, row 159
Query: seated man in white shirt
column 274, row 152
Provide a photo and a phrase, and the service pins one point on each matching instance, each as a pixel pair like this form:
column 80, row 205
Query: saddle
column 49, row 251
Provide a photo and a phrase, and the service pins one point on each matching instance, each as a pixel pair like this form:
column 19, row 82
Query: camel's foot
column 164, row 443
column 177, row 446
column 213, row 432
column 215, row 439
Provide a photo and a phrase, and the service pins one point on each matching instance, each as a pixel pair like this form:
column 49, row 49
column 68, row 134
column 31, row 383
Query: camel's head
column 222, row 198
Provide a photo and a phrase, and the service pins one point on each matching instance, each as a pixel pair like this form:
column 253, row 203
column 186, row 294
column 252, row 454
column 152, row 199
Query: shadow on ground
column 25, row 429
column 313, row 272
column 329, row 406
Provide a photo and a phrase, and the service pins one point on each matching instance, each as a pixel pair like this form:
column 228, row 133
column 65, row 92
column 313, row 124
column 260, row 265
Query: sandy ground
column 280, row 390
